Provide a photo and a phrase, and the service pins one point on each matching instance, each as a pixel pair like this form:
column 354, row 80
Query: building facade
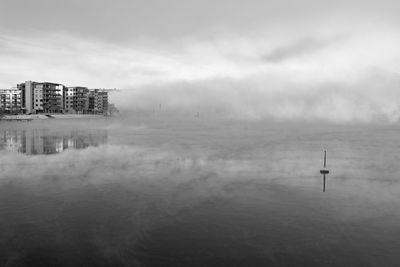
column 76, row 100
column 10, row 101
column 69, row 96
column 41, row 97
column 44, row 97
column 53, row 101
column 98, row 101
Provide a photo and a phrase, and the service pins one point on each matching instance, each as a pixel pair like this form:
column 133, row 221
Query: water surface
column 173, row 192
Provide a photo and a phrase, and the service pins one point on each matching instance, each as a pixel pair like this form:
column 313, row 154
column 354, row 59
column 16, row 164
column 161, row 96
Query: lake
column 160, row 191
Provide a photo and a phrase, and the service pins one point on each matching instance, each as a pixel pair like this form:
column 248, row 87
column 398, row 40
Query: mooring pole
column 324, row 172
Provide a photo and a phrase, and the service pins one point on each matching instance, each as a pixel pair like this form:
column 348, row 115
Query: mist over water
column 158, row 190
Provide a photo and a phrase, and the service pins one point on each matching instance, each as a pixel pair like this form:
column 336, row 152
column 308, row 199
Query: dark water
column 150, row 192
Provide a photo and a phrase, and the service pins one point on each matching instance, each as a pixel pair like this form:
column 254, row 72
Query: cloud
column 300, row 47
column 342, row 74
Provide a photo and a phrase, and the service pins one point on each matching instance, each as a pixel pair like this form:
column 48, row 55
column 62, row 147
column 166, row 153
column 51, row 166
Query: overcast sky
column 313, row 59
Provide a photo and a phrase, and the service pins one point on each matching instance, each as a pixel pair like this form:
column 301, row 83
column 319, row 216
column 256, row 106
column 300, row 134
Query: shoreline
column 24, row 117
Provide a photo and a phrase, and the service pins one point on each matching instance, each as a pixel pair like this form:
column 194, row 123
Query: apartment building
column 97, row 101
column 76, row 100
column 41, row 97
column 69, row 96
column 10, row 101
column 81, row 103
column 45, row 97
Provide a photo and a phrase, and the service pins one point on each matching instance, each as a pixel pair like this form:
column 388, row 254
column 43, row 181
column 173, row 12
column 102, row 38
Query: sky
column 336, row 61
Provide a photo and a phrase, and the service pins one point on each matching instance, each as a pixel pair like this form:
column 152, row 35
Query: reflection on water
column 199, row 195
column 42, row 141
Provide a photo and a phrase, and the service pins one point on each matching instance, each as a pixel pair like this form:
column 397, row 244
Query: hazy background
column 312, row 60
